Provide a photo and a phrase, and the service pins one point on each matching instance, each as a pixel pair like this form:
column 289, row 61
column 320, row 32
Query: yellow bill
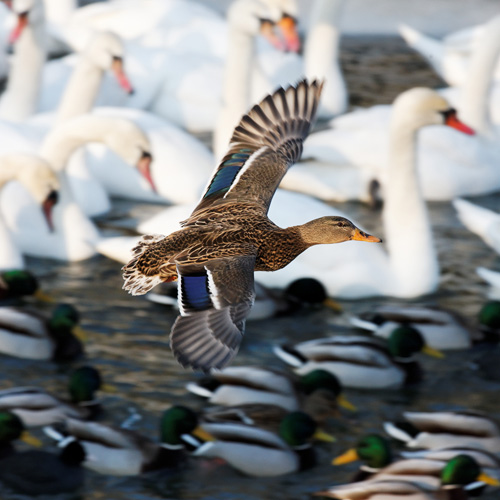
column 430, row 351
column 30, row 439
column 324, row 436
column 347, row 457
column 345, row 403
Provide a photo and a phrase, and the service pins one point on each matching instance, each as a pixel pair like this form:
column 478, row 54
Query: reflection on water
column 128, row 336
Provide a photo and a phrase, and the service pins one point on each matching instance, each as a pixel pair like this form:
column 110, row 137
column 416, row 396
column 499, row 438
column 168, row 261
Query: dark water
column 128, row 336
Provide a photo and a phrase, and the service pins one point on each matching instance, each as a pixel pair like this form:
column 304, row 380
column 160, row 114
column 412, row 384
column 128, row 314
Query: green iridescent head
column 83, row 383
column 460, row 470
column 489, row 315
column 18, row 283
column 64, row 318
column 320, row 379
column 297, row 428
column 405, row 341
column 11, row 427
column 175, row 422
column 374, row 450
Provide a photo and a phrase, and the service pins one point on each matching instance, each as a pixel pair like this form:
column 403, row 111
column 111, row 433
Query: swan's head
column 106, row 51
column 27, row 12
column 273, row 19
column 420, row 107
column 127, row 140
column 333, row 229
column 40, row 180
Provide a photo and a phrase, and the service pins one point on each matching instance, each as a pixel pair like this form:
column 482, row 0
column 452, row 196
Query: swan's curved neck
column 474, row 103
column 20, row 99
column 407, row 227
column 62, row 141
column 81, row 90
column 9, row 169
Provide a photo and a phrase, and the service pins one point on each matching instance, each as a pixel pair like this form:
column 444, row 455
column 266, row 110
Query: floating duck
column 12, row 428
column 122, row 452
column 19, row 283
column 229, row 235
column 36, row 407
column 361, row 362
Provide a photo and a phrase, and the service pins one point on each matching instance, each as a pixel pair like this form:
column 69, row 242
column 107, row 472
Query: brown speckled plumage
column 229, row 235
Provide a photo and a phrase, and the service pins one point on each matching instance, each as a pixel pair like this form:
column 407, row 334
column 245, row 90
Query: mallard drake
column 35, row 407
column 426, row 480
column 229, row 236
column 19, row 283
column 440, row 329
column 123, row 452
column 261, row 453
column 12, row 428
column 361, row 362
column 318, row 393
column 37, row 472
column 25, row 333
column 446, row 429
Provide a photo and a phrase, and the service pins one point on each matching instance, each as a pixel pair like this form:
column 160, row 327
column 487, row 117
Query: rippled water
column 128, row 338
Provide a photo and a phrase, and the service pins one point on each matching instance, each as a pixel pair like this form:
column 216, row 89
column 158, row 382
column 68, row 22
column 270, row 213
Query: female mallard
column 318, row 393
column 445, row 429
column 35, row 407
column 229, row 236
column 30, row 335
column 426, row 480
column 122, row 452
column 440, row 329
column 261, row 453
column 361, row 362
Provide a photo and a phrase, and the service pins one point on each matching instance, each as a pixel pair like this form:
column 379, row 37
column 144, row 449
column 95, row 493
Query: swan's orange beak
column 267, row 31
column 121, row 77
column 22, row 22
column 362, row 236
column 288, row 27
column 452, row 120
column 144, row 167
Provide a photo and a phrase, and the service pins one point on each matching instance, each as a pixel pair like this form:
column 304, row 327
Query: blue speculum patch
column 224, row 178
column 195, row 292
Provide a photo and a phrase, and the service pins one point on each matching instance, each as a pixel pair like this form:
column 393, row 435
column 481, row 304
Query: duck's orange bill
column 201, row 433
column 453, row 121
column 30, row 439
column 332, row 304
column 362, row 236
column 430, row 351
column 345, row 403
column 288, row 27
column 347, row 457
column 42, row 296
column 267, row 31
column 485, row 478
column 324, row 436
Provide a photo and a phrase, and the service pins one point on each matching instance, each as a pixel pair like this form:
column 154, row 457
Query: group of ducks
column 271, row 417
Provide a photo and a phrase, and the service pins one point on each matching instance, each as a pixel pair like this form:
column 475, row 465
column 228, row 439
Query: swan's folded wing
column 214, row 300
column 267, row 141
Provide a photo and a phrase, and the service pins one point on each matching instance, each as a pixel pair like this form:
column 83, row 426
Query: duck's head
column 489, row 315
column 419, row 107
column 405, row 341
column 327, row 384
column 64, row 318
column 12, row 428
column 177, row 426
column 333, row 229
column 83, row 384
column 463, row 470
column 310, row 292
column 106, row 51
column 297, row 429
column 73, row 453
column 373, row 449
column 273, row 19
column 17, row 283
column 27, row 12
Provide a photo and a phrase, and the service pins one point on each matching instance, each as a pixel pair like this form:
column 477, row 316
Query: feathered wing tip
column 136, row 282
column 285, row 114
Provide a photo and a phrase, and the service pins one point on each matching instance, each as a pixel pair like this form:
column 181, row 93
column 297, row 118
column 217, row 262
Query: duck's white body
column 493, row 280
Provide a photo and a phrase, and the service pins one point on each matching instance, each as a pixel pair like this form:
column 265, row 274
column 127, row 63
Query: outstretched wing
column 264, row 145
column 214, row 300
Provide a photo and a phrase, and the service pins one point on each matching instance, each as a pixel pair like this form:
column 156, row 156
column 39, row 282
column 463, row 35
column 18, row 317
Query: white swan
column 42, row 185
column 74, row 235
column 20, row 98
column 481, row 221
column 408, row 269
column 449, row 57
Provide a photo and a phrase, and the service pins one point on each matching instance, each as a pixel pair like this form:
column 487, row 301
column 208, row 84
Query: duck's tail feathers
column 136, row 282
column 284, row 115
column 289, row 355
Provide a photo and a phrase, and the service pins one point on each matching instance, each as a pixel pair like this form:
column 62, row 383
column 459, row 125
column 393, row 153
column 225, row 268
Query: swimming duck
column 260, row 453
column 19, row 283
column 30, row 335
column 37, row 472
column 361, row 362
column 12, row 428
column 446, row 429
column 229, row 235
column 425, row 479
column 318, row 393
column 36, row 407
column 122, row 452
column 440, row 329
